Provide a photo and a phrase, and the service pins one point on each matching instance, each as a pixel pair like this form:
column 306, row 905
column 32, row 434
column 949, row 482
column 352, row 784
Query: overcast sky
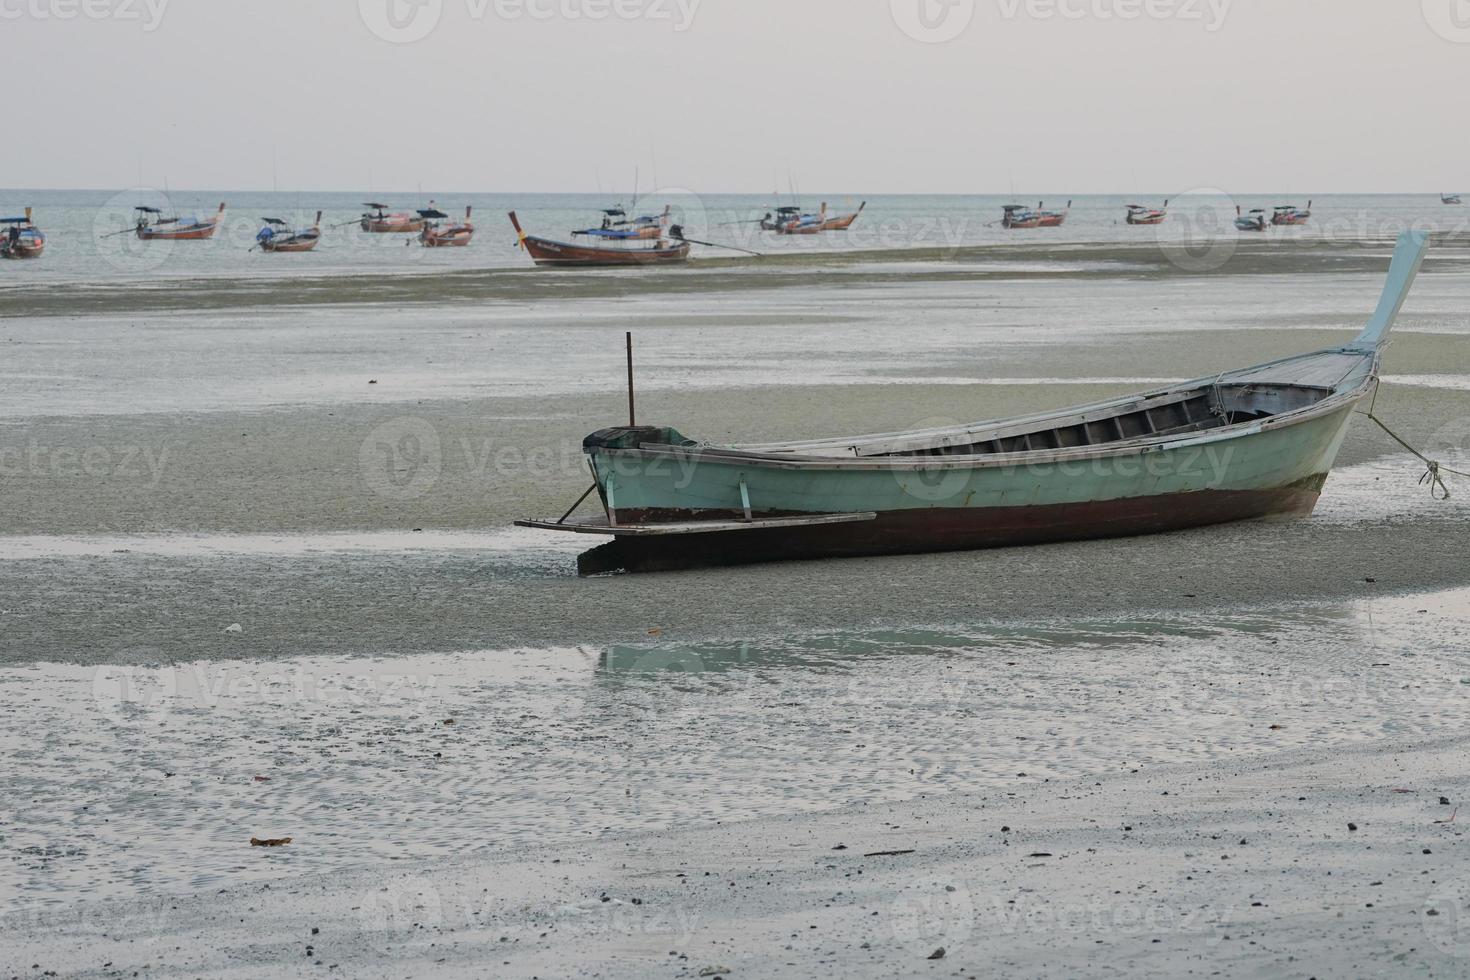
column 859, row 96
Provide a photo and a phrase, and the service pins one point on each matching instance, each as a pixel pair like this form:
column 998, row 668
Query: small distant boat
column 546, row 252
column 21, row 238
column 790, row 220
column 153, row 226
column 1020, row 216
column 1052, row 219
column 1255, row 221
column 617, row 226
column 436, row 235
column 277, row 236
column 1249, row 443
column 843, row 221
column 379, row 221
column 1288, row 214
column 1140, row 215
column 1450, row 199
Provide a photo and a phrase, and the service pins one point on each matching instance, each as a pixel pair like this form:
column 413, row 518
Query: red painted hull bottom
column 943, row 529
column 545, row 252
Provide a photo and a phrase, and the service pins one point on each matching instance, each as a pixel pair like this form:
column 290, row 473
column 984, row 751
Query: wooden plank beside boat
column 545, row 252
column 1251, row 443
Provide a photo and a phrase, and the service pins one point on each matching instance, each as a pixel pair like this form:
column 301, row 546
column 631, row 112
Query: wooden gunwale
column 1136, row 447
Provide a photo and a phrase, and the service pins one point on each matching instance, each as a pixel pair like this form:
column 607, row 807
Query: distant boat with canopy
column 151, row 225
column 21, row 239
column 277, row 236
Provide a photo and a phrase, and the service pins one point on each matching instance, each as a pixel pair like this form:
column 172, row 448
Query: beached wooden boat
column 1255, row 221
column 1140, row 215
column 1052, row 219
column 1290, row 214
column 436, row 235
column 545, row 252
column 1250, row 443
column 153, row 226
column 380, row 222
column 277, row 236
column 21, row 239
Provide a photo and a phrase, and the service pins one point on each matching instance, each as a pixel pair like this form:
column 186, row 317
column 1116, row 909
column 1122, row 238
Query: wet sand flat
column 1305, row 863
column 224, row 535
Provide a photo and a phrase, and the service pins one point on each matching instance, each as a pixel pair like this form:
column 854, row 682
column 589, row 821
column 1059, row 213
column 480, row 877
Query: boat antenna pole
column 632, row 416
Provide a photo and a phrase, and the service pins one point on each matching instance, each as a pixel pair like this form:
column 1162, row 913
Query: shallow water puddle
column 135, row 780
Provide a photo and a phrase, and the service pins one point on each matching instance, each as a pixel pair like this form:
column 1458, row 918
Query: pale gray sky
column 1076, row 96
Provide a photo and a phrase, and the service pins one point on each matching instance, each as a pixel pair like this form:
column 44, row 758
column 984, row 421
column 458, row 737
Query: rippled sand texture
column 146, row 777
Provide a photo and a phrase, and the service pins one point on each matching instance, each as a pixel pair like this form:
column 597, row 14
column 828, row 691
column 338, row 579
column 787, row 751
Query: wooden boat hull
column 393, row 225
column 448, row 239
column 1022, row 224
column 193, row 233
column 1277, row 472
column 1146, row 219
column 1252, row 443
column 956, row 529
column 22, row 251
column 843, row 222
column 305, row 245
column 1052, row 221
column 545, row 252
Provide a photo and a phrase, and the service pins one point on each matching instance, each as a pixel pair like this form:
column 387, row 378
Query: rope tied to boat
column 1437, row 488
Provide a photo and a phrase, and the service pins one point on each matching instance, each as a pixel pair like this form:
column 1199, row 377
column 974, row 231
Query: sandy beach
column 254, row 564
column 1295, row 864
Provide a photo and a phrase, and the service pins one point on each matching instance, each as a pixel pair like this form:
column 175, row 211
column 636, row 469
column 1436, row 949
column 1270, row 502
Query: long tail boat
column 153, row 226
column 1251, row 443
column 379, row 221
column 436, row 235
column 1140, row 215
column 277, row 236
column 617, row 226
column 1053, row 219
column 1019, row 216
column 1450, row 199
column 545, row 252
column 843, row 221
column 789, row 220
column 1288, row 214
column 1255, row 221
column 21, row 239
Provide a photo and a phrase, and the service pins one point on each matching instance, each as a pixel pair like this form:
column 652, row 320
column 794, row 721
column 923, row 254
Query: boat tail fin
column 1407, row 258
